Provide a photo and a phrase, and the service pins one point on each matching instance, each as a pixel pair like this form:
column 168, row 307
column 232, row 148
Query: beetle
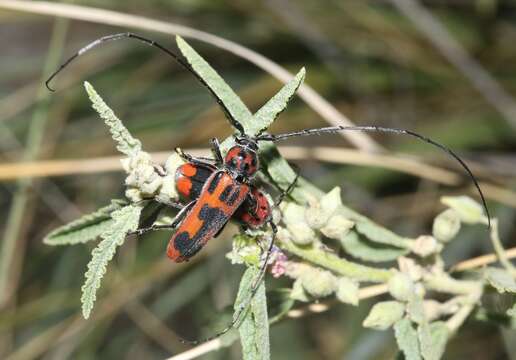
column 190, row 178
column 222, row 188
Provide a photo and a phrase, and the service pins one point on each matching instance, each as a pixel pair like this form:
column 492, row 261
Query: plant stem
column 14, row 227
column 445, row 283
column 336, row 264
column 499, row 250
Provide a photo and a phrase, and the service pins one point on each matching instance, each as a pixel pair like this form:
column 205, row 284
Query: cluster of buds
column 303, row 224
column 314, row 283
column 147, row 180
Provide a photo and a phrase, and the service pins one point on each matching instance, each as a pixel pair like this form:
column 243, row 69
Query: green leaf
column 126, row 144
column 500, row 279
column 347, row 291
column 433, row 338
column 446, row 225
column 254, row 328
column 375, row 232
column 416, row 310
column 217, row 85
column 271, row 110
column 496, row 318
column 124, row 220
column 407, row 339
column 384, row 314
column 468, row 209
column 86, row 228
column 361, row 248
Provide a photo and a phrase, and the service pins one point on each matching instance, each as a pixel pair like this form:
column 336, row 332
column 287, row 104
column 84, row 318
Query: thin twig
column 455, row 53
column 412, row 166
column 14, row 239
column 151, row 325
column 364, row 293
column 499, row 250
column 310, row 96
column 482, row 261
column 199, row 350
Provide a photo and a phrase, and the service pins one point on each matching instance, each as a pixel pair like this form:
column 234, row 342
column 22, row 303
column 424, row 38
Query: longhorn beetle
column 222, row 188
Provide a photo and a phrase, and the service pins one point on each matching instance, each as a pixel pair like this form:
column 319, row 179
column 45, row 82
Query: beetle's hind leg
column 177, row 220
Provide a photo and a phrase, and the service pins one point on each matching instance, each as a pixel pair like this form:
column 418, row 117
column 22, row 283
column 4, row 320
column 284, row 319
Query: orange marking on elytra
column 198, row 232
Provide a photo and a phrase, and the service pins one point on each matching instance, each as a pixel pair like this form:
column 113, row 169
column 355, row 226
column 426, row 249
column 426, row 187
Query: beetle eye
column 246, row 166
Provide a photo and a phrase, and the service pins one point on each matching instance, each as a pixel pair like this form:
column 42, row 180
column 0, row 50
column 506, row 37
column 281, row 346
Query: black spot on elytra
column 213, row 219
column 211, row 215
column 233, row 198
column 182, row 242
column 214, row 182
column 224, row 195
column 198, row 180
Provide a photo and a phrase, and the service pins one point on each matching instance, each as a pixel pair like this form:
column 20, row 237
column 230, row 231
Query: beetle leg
column 215, row 148
column 177, row 220
column 252, row 208
column 194, row 159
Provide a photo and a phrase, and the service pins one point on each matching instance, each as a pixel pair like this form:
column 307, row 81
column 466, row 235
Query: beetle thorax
column 242, row 161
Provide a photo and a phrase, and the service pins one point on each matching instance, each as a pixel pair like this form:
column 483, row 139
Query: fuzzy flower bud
column 401, row 287
column 318, row 283
column 426, row 245
column 142, row 180
column 168, row 189
column 173, row 162
column 133, row 194
column 347, row 291
column 446, row 225
column 315, row 281
column 294, row 218
column 302, row 234
column 244, row 251
column 384, row 314
column 319, row 212
column 337, row 227
column 411, row 268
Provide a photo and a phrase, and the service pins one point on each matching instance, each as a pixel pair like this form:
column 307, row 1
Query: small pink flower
column 278, row 262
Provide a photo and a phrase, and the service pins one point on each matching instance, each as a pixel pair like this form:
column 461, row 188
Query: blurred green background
column 446, row 69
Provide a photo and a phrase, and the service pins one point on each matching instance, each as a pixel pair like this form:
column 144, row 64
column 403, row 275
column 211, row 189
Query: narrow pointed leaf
column 126, row 144
column 384, row 314
column 375, row 232
column 500, row 279
column 254, row 328
column 270, row 111
column 124, row 220
column 433, row 338
column 407, row 339
column 219, row 88
column 84, row 229
column 361, row 248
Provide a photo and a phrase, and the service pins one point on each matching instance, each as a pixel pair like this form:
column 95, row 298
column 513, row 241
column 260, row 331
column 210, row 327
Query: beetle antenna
column 170, row 53
column 243, row 308
column 335, row 129
column 239, row 316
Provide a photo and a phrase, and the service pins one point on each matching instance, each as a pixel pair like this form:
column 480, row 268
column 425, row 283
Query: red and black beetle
column 222, row 188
